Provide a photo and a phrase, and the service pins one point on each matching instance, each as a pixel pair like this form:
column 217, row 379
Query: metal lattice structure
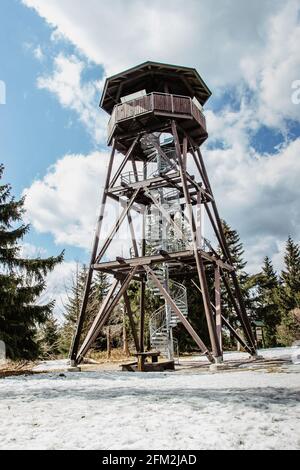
column 157, row 124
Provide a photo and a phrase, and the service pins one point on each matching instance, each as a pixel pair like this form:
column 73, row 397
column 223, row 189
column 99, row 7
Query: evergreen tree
column 236, row 249
column 50, row 338
column 22, row 281
column 246, row 284
column 289, row 297
column 72, row 308
column 98, row 291
column 267, row 309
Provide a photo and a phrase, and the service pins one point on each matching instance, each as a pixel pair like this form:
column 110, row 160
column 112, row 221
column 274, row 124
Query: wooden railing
column 160, row 102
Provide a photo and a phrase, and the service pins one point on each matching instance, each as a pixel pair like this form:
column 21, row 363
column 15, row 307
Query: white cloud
column 38, row 53
column 31, row 251
column 272, row 72
column 83, row 98
column 257, row 194
column 66, row 201
column 124, row 33
column 59, row 283
column 234, row 41
column 244, row 45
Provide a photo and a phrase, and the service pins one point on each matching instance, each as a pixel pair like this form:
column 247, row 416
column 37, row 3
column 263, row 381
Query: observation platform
column 153, row 112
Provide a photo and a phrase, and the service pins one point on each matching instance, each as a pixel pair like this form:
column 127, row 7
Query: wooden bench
column 143, row 356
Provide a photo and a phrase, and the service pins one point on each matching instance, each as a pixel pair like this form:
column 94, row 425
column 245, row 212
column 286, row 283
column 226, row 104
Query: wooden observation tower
column 157, row 125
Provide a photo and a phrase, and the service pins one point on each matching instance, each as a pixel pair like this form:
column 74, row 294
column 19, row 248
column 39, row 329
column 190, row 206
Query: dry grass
column 117, row 355
column 13, row 368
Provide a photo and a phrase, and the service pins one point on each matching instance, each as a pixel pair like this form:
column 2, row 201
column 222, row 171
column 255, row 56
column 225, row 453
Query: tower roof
column 154, row 76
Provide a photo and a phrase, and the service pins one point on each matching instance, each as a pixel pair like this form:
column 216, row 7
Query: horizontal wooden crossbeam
column 179, row 256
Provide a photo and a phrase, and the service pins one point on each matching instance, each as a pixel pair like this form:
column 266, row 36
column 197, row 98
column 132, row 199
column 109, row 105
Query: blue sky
column 53, row 59
column 35, row 130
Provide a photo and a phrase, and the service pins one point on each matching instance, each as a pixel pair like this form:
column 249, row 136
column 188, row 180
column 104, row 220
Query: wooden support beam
column 142, row 315
column 200, row 267
column 116, row 227
column 99, row 315
column 125, row 160
column 131, row 321
column 132, row 233
column 228, row 325
column 246, row 321
column 218, row 305
column 179, row 256
column 80, row 320
column 103, row 316
column 199, row 221
column 238, row 311
column 180, row 315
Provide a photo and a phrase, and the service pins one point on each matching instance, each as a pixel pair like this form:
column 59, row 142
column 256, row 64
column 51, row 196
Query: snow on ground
column 120, row 410
column 45, row 366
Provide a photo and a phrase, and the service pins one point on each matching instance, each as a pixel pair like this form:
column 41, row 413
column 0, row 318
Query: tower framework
column 157, row 125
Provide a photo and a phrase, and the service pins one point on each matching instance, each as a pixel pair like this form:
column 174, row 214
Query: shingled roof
column 153, row 76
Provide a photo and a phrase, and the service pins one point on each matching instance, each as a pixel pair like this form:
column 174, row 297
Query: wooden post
column 108, row 342
column 125, row 339
column 248, row 329
column 228, row 326
column 142, row 315
column 180, row 315
column 143, row 280
column 104, row 314
column 80, row 321
column 218, row 305
column 199, row 221
column 116, row 226
column 132, row 322
column 200, row 267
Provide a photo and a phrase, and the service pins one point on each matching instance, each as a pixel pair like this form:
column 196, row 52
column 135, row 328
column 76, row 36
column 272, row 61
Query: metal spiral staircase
column 165, row 229
column 169, row 235
column 164, row 319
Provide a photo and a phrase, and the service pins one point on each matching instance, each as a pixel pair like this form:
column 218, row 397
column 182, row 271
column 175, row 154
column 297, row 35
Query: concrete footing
column 256, row 358
column 74, row 369
column 218, row 366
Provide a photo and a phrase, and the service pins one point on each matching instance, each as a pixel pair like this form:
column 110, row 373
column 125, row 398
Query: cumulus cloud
column 273, row 71
column 248, row 47
column 213, row 39
column 67, row 84
column 255, row 42
column 258, row 194
column 66, row 202
column 59, row 283
column 28, row 250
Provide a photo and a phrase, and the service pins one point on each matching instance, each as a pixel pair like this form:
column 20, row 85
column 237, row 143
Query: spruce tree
column 289, row 295
column 22, row 281
column 72, row 308
column 236, row 251
column 98, row 291
column 290, row 278
column 267, row 309
column 50, row 338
